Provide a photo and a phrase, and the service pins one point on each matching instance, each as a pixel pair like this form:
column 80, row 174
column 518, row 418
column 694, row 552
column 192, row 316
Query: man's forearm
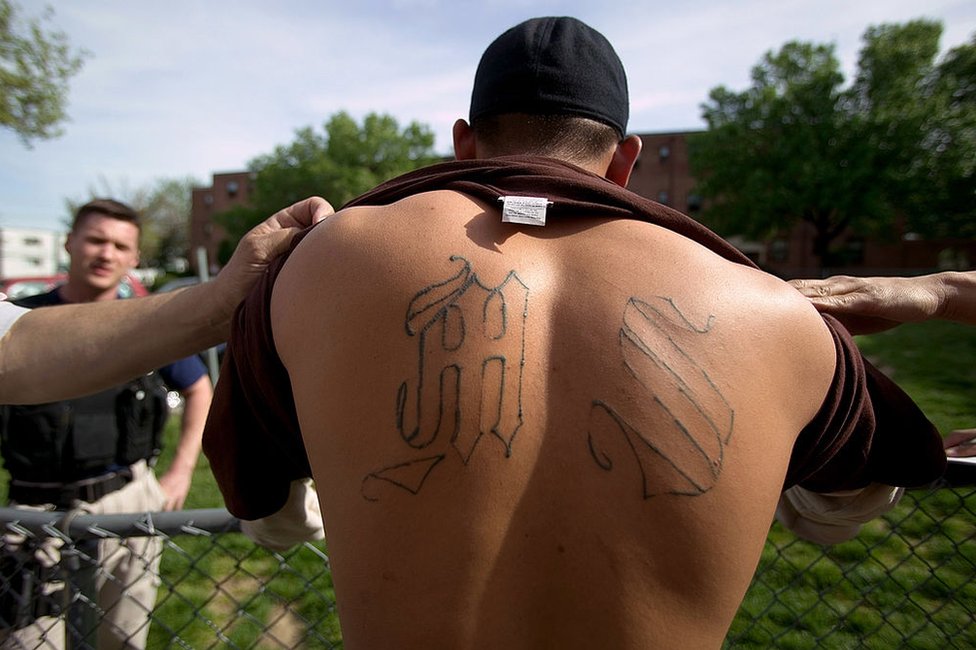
column 55, row 353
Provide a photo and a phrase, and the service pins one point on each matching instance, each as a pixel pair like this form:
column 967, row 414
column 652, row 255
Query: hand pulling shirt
column 867, row 430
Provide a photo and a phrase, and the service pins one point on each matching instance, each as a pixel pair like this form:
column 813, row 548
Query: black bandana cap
column 552, row 66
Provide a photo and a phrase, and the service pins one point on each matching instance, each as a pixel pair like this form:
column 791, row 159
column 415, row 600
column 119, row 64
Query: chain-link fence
column 909, row 580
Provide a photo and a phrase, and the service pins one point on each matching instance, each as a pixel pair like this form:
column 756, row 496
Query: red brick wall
column 228, row 190
column 662, row 172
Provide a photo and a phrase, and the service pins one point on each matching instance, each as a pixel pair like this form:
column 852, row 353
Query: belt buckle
column 105, row 484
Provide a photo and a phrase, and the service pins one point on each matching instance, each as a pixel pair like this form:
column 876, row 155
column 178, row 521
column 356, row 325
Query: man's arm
column 866, row 305
column 177, row 479
column 152, row 330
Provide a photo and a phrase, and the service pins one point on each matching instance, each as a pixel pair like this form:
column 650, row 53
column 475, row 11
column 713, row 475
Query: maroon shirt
column 867, row 430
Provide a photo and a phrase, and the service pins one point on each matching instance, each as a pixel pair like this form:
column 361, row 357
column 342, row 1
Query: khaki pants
column 127, row 575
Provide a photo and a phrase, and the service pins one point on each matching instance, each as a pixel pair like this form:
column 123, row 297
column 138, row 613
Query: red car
column 22, row 287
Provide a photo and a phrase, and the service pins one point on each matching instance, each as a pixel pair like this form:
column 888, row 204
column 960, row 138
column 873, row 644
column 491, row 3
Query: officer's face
column 102, row 250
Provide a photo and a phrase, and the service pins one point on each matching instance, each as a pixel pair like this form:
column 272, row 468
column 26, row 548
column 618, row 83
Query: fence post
column 203, row 272
column 81, row 617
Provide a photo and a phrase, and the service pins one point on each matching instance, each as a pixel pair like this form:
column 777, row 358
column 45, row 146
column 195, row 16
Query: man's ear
column 464, row 142
column 624, row 157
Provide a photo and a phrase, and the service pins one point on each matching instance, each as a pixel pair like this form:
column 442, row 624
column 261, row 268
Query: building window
column 232, row 188
column 662, row 197
column 694, row 202
column 34, row 261
column 32, row 241
column 208, row 199
column 664, row 152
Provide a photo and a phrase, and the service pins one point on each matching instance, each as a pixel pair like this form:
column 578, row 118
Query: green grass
column 907, row 580
column 225, row 591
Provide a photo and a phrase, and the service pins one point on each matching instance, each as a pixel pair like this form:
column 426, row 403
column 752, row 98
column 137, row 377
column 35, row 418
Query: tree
column 796, row 145
column 339, row 164
column 35, row 66
column 944, row 176
column 892, row 94
column 165, row 210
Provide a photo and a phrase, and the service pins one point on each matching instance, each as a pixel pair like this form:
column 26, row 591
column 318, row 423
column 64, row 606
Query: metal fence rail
column 909, row 580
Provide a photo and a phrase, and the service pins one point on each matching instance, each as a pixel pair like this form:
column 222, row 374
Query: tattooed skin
column 471, row 349
column 688, row 459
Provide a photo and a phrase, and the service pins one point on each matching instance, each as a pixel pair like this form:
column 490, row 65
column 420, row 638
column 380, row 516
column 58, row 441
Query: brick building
column 663, row 174
column 226, row 191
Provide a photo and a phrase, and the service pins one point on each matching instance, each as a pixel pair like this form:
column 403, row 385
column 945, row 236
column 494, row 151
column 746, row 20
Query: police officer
column 93, row 453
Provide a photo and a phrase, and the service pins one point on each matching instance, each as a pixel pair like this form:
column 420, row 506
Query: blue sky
column 192, row 88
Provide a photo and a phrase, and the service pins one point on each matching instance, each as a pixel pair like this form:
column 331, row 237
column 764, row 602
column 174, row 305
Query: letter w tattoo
column 686, row 458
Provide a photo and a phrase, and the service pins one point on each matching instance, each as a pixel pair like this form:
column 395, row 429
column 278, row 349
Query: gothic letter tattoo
column 686, row 460
column 471, row 349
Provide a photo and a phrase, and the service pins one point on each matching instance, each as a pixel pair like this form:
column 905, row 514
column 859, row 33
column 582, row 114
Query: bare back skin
column 571, row 436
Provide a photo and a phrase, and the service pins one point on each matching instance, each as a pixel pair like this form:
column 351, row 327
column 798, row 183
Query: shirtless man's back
column 566, row 436
column 570, row 436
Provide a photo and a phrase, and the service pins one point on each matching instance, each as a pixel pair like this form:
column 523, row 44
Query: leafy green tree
column 797, row 145
column 892, row 99
column 35, row 66
column 780, row 151
column 165, row 209
column 339, row 164
column 944, row 173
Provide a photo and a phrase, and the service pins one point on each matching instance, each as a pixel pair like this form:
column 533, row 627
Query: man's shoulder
column 796, row 337
column 421, row 201
column 772, row 303
column 423, row 215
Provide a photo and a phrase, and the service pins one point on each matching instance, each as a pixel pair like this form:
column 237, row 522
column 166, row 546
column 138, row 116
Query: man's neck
column 72, row 292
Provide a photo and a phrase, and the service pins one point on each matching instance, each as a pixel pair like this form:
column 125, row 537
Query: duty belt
column 64, row 495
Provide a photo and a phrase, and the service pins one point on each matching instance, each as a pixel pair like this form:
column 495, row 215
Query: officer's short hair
column 108, row 207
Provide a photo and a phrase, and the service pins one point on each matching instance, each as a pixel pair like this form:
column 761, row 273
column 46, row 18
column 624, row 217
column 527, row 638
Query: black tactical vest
column 61, row 442
column 65, row 441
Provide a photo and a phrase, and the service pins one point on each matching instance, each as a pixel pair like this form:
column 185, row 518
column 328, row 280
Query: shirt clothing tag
column 529, row 210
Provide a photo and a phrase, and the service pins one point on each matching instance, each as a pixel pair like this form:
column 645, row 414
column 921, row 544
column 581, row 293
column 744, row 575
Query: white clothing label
column 529, row 210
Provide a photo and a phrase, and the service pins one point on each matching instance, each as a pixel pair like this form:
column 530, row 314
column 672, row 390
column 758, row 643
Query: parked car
column 21, row 287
